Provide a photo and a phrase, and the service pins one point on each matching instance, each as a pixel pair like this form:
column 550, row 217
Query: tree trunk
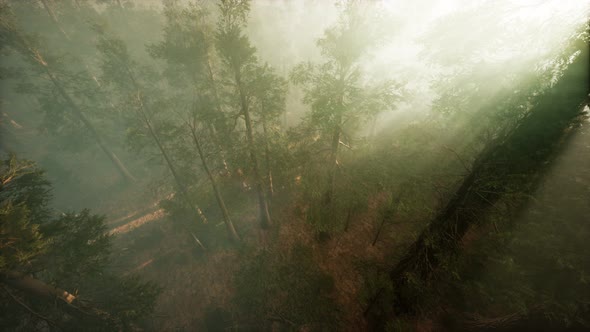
column 142, row 111
column 348, row 217
column 267, row 158
column 383, row 219
column 525, row 152
column 196, row 209
column 35, row 287
column 68, row 302
column 54, row 18
column 213, row 128
column 78, row 112
column 265, row 219
column 328, row 195
column 215, row 137
column 177, row 179
column 387, row 215
column 226, row 218
column 143, row 114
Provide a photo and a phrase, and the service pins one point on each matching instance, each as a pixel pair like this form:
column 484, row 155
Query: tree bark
column 226, row 218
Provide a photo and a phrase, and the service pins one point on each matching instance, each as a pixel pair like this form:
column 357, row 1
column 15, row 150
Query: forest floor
column 192, row 282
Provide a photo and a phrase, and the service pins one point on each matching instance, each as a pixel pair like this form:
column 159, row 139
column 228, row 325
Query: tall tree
column 13, row 38
column 122, row 72
column 510, row 164
column 218, row 196
column 268, row 92
column 240, row 62
column 336, row 89
column 185, row 48
column 39, row 250
column 47, row 6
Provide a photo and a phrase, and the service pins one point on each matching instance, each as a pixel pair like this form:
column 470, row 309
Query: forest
column 294, row 165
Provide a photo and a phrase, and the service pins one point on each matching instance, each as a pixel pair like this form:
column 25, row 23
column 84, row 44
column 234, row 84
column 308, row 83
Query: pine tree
column 185, row 48
column 240, row 65
column 130, row 81
column 268, row 92
column 39, row 250
column 336, row 90
column 60, row 92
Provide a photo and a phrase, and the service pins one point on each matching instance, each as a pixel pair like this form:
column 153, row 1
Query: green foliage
column 269, row 91
column 341, row 102
column 185, row 42
column 291, row 290
column 201, row 68
column 335, row 89
column 507, row 172
column 233, row 45
column 70, row 251
column 23, row 184
column 51, row 71
column 20, row 241
column 79, row 246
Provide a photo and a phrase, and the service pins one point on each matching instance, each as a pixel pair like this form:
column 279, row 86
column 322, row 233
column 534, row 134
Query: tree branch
column 34, row 313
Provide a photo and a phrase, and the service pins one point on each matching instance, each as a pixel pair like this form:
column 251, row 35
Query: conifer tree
column 39, row 250
column 240, row 65
column 185, row 48
column 61, row 93
column 336, row 89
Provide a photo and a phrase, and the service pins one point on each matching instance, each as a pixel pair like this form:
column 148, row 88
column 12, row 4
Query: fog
column 294, row 165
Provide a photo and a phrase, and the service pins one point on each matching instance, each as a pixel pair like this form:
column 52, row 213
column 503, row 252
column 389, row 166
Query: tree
column 71, row 113
column 120, row 71
column 39, row 250
column 268, row 91
column 336, row 90
column 240, row 63
column 186, row 50
column 511, row 164
column 54, row 18
column 218, row 197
